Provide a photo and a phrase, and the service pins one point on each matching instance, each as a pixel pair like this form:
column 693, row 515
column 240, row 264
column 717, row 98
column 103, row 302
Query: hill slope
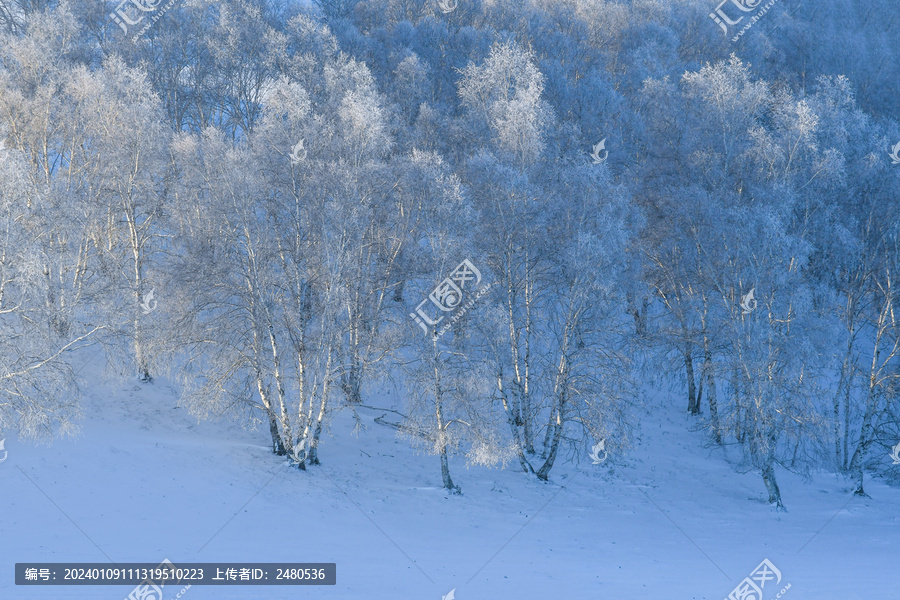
column 144, row 481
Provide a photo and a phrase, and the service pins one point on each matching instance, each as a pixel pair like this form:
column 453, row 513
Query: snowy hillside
column 143, row 481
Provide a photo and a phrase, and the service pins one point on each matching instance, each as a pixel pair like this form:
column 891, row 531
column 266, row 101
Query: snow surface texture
column 144, row 481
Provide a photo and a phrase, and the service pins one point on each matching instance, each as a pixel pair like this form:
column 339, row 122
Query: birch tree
column 38, row 388
column 230, row 288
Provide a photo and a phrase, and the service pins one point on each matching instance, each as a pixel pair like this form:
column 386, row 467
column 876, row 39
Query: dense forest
column 520, row 215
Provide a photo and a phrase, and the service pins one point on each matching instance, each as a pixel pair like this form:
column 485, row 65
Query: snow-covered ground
column 144, row 481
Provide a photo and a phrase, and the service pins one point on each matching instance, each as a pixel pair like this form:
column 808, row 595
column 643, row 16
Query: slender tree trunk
column 139, row 356
column 351, row 377
column 287, row 433
column 398, row 290
column 548, row 432
column 526, row 393
column 845, row 464
column 740, row 412
column 307, row 431
column 700, row 381
column 513, row 429
column 867, row 432
column 846, row 382
column 865, row 441
column 768, row 474
column 323, row 408
column 639, row 315
column 693, row 404
column 307, row 397
column 710, row 377
column 138, row 282
column 445, row 460
column 561, row 394
column 277, row 445
column 837, row 416
column 442, row 426
column 445, row 473
column 544, row 472
column 139, row 350
column 520, row 379
column 301, row 387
